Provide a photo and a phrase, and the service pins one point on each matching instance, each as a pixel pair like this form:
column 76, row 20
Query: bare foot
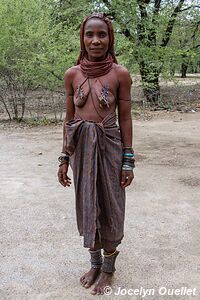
column 89, row 278
column 104, row 280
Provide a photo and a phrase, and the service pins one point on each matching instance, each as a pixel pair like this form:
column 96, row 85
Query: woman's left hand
column 126, row 178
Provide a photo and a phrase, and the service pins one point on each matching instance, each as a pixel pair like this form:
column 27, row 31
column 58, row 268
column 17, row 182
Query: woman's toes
column 82, row 278
column 83, row 282
column 94, row 291
column 87, row 285
column 98, row 292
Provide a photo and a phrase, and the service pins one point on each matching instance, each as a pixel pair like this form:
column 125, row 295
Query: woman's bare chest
column 102, row 90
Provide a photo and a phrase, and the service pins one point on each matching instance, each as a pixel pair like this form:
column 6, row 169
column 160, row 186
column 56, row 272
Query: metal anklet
column 96, row 258
column 108, row 265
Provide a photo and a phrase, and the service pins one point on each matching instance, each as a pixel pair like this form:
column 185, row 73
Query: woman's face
column 96, row 39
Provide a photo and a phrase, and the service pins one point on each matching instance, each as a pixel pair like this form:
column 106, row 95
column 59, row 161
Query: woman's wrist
column 63, row 163
column 63, row 158
column 128, row 163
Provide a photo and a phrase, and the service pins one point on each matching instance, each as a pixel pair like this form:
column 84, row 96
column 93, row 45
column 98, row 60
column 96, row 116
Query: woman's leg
column 96, row 262
column 107, row 271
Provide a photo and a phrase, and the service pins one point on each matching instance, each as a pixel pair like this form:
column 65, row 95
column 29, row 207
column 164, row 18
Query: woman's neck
column 96, row 59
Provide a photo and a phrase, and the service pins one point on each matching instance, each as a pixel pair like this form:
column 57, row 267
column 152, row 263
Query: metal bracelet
column 127, row 165
column 128, row 150
column 131, row 160
column 127, row 169
column 64, row 154
column 63, row 158
column 128, row 155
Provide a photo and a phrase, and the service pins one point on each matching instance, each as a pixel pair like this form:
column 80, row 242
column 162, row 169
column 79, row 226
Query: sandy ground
column 41, row 252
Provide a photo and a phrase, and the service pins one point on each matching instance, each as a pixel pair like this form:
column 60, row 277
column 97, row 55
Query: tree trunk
column 184, row 67
column 150, row 80
column 172, row 70
column 6, row 107
column 23, row 108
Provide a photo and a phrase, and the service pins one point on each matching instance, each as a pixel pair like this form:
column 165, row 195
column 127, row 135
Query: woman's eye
column 88, row 34
column 102, row 35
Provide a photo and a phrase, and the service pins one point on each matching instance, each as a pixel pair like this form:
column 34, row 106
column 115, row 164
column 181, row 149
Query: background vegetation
column 39, row 40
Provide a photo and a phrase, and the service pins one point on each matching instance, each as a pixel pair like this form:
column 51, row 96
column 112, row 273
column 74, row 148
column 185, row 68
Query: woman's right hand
column 62, row 175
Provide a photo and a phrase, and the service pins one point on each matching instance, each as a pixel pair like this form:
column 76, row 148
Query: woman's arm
column 63, row 178
column 125, row 119
column 124, row 107
column 68, row 80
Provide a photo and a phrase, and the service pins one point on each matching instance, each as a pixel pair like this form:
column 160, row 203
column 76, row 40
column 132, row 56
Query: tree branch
column 197, row 46
column 156, row 6
column 195, row 30
column 58, row 77
column 170, row 24
column 112, row 14
column 192, row 6
column 142, row 6
column 143, row 16
column 152, row 34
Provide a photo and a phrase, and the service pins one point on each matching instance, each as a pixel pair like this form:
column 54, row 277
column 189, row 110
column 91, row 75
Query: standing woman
column 99, row 151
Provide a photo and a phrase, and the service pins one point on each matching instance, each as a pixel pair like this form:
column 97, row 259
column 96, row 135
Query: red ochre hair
column 103, row 17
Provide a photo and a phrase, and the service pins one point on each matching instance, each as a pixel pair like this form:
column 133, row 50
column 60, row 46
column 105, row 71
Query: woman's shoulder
column 122, row 72
column 120, row 69
column 71, row 72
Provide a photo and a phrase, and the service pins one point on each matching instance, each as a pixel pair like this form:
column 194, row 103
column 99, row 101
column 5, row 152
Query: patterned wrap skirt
column 96, row 154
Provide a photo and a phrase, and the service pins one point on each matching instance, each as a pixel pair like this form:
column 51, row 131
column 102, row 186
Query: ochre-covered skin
column 118, row 81
column 97, row 46
column 91, row 110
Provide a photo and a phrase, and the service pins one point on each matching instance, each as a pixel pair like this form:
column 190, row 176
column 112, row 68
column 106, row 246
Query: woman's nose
column 95, row 41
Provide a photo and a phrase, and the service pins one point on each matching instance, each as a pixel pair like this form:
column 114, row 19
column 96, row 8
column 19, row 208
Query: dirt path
column 41, row 253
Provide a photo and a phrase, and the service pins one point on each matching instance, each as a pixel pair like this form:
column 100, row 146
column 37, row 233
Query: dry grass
column 176, row 95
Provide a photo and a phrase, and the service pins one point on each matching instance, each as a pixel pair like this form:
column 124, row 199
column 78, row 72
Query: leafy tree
column 40, row 40
column 189, row 39
column 23, row 27
column 149, row 26
column 37, row 44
